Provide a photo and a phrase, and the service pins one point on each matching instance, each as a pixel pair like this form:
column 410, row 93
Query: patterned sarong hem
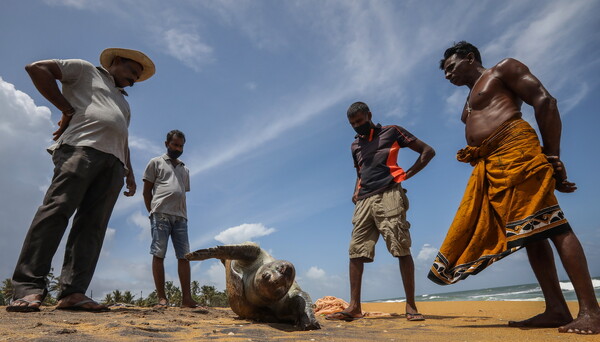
column 508, row 203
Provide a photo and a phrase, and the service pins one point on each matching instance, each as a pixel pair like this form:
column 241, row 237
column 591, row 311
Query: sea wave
column 568, row 286
column 534, row 299
column 506, row 294
column 394, row 301
column 524, row 292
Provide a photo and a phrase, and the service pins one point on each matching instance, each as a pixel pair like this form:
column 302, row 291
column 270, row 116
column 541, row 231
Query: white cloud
column 318, row 283
column 315, row 273
column 141, row 220
column 115, row 273
column 188, row 48
column 107, row 245
column 145, row 145
column 567, row 104
column 455, row 102
column 216, row 275
column 542, row 36
column 21, row 116
column 110, row 234
column 427, row 253
column 78, row 4
column 259, row 29
column 539, row 41
column 174, row 29
column 248, row 141
column 243, row 232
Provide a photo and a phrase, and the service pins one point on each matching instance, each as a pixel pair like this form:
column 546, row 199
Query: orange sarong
column 509, row 201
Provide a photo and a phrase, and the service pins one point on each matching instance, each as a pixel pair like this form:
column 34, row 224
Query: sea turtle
column 261, row 288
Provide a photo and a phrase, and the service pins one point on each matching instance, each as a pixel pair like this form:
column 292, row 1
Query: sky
column 261, row 89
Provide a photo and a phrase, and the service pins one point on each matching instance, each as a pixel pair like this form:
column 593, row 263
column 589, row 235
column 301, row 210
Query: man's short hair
column 357, row 107
column 461, row 49
column 173, row 133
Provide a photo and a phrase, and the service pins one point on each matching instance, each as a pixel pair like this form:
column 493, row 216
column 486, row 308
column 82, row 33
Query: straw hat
column 107, row 56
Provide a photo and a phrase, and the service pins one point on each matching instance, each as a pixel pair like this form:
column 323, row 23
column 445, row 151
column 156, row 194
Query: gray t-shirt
column 170, row 185
column 102, row 114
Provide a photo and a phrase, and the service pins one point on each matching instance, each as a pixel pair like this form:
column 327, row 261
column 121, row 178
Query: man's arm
column 44, row 75
column 147, row 193
column 528, row 88
column 355, row 195
column 129, row 178
column 357, row 169
column 426, row 153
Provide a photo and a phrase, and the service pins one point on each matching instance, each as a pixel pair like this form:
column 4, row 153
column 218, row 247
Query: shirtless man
column 491, row 111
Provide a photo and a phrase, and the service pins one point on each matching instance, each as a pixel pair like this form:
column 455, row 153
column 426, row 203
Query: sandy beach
column 446, row 321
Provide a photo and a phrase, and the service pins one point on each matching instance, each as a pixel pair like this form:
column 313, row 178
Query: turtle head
column 274, row 279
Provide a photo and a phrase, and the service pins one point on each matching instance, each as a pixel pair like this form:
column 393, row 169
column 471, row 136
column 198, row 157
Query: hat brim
column 148, row 68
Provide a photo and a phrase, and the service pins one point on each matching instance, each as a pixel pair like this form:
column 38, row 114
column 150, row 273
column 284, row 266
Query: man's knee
column 360, row 260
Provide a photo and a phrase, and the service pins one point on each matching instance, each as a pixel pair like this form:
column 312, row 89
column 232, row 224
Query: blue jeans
column 164, row 225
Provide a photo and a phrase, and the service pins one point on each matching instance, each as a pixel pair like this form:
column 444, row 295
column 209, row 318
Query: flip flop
column 414, row 317
column 24, row 308
column 80, row 307
column 342, row 316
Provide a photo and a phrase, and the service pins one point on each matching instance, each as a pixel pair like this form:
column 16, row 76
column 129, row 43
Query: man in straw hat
column 91, row 158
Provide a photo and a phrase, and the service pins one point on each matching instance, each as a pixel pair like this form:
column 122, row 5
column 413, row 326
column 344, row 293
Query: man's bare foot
column 543, row 320
column 411, row 309
column 80, row 302
column 584, row 324
column 29, row 303
column 191, row 304
column 163, row 303
column 344, row 316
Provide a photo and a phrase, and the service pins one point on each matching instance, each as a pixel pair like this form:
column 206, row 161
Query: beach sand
column 446, row 321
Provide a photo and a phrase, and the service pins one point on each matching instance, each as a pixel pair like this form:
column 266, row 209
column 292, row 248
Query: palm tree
column 53, row 284
column 208, row 293
column 128, row 297
column 6, row 291
column 195, row 289
column 117, row 296
column 108, row 299
column 141, row 302
column 152, row 299
column 173, row 293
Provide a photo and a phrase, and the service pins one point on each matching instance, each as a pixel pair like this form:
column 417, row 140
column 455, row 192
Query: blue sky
column 261, row 89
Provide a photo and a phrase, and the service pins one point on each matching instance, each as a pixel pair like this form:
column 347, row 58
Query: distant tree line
column 205, row 295
column 7, row 290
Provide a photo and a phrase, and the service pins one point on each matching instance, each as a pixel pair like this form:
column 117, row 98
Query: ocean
column 526, row 292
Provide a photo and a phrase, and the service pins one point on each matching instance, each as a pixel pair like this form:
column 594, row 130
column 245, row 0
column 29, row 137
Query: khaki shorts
column 383, row 214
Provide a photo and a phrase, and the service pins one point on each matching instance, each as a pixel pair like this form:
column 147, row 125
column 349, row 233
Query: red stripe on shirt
column 396, row 171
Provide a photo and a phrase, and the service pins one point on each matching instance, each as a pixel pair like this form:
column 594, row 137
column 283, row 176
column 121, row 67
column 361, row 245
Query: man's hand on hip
column 62, row 126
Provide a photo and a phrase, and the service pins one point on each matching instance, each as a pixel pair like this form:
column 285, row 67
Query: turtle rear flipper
column 228, row 252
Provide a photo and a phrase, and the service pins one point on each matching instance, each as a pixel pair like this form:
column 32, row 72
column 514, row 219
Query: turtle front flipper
column 247, row 252
column 297, row 307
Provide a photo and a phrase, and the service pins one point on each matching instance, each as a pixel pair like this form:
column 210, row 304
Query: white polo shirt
column 170, row 185
column 102, row 114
